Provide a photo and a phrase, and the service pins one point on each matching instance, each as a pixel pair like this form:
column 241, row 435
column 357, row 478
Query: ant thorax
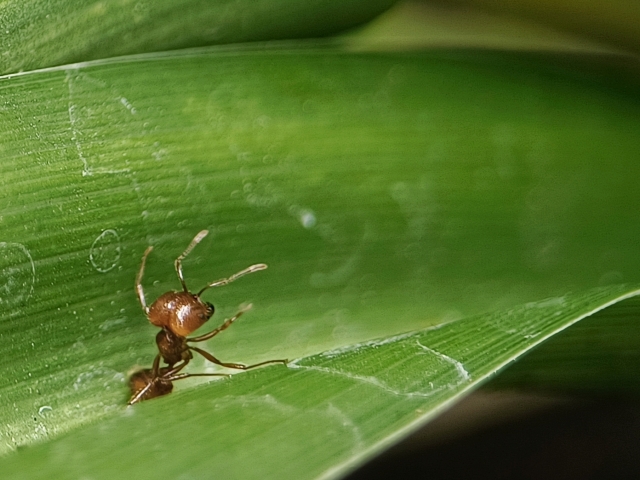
column 172, row 348
column 180, row 312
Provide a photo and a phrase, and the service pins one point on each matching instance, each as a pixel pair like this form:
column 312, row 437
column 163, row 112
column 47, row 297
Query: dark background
column 502, row 435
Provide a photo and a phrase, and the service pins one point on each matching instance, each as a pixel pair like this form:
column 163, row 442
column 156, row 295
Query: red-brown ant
column 179, row 314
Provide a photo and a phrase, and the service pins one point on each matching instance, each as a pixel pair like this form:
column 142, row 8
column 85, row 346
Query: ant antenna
column 226, row 281
column 139, row 288
column 178, row 263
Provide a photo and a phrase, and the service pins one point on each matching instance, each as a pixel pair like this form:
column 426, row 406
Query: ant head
column 180, row 312
column 196, row 314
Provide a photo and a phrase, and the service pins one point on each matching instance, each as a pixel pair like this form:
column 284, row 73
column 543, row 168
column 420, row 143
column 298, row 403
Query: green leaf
column 316, row 419
column 387, row 193
column 45, row 33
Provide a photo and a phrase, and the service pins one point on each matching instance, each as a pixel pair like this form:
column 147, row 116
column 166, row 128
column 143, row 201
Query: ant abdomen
column 148, row 383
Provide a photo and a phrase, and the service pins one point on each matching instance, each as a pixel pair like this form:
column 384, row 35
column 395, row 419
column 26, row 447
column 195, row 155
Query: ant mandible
column 181, row 313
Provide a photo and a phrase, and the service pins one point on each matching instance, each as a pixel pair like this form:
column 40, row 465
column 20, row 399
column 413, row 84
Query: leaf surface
column 387, row 193
column 45, row 33
column 317, row 418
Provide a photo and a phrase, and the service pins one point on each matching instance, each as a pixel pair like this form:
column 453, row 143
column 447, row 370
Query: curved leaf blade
column 45, row 33
column 317, row 419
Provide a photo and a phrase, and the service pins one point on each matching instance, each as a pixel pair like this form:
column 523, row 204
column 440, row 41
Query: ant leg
column 178, row 263
column 173, row 374
column 222, row 327
column 139, row 289
column 137, row 397
column 170, row 373
column 156, row 366
column 187, row 375
column 239, row 366
column 226, row 281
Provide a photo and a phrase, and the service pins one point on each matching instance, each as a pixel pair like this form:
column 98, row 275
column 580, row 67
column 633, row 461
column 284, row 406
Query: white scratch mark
column 365, row 379
column 360, row 378
column 358, row 346
column 76, row 127
column 463, row 375
column 459, row 367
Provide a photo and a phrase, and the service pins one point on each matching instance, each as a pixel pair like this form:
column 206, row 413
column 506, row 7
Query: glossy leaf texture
column 387, row 193
column 45, row 33
column 315, row 419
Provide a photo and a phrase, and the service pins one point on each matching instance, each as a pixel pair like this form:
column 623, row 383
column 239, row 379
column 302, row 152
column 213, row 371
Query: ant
column 180, row 314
